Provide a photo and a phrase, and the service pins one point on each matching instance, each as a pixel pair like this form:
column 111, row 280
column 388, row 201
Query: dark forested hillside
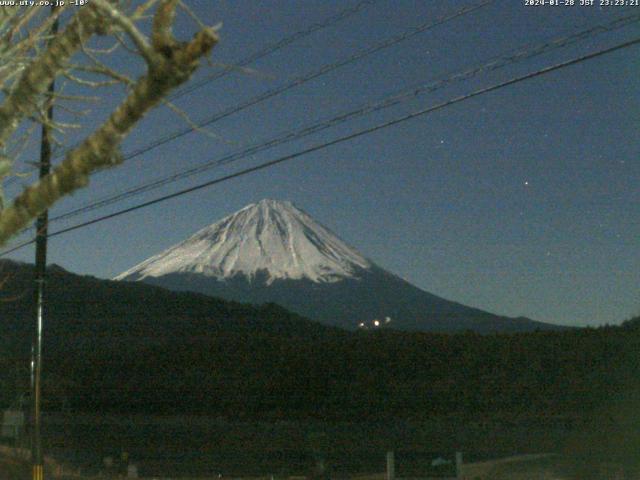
column 127, row 347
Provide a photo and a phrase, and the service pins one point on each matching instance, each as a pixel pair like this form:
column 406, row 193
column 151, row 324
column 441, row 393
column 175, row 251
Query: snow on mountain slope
column 269, row 236
column 273, row 252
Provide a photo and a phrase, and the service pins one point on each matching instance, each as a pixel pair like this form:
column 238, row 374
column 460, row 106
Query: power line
column 342, row 139
column 301, row 80
column 268, row 50
column 347, row 12
column 490, row 65
column 296, row 82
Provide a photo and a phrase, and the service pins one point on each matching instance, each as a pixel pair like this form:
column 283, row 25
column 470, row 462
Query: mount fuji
column 271, row 251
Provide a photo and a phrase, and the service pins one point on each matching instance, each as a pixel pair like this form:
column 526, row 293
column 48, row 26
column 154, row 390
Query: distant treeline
column 365, row 376
column 133, row 348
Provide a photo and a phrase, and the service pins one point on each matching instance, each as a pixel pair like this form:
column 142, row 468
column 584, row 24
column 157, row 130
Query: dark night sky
column 523, row 201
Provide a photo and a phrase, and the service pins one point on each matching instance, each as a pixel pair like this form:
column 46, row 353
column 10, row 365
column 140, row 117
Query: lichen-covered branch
column 112, row 13
column 173, row 63
column 37, row 76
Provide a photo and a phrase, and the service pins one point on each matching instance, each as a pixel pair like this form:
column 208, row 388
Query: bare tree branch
column 125, row 23
column 36, row 78
column 170, row 64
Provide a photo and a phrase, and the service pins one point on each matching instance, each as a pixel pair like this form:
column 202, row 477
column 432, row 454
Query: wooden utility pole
column 42, row 224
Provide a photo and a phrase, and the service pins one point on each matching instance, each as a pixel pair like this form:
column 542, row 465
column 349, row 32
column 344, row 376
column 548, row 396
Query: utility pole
column 42, row 224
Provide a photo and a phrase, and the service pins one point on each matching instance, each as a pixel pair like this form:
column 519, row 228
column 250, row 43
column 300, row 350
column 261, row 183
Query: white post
column 458, row 464
column 132, row 471
column 391, row 466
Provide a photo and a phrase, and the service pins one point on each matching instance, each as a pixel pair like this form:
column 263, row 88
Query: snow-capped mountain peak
column 269, row 236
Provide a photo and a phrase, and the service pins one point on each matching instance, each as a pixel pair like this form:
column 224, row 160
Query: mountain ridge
column 272, row 251
column 269, row 235
column 129, row 347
